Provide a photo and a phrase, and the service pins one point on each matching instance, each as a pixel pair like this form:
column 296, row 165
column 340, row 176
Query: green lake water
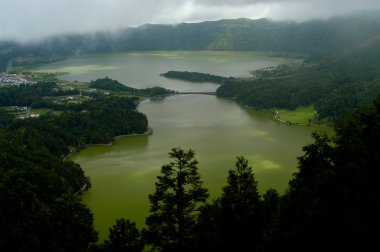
column 143, row 69
column 218, row 130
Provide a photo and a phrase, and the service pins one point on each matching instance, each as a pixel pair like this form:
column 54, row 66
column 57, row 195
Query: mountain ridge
column 316, row 37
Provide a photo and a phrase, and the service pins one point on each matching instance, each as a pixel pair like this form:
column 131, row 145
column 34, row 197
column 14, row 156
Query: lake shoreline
column 277, row 118
column 123, row 171
column 148, row 132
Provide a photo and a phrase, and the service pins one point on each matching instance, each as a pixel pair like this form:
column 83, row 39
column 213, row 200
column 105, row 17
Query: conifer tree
column 124, row 236
column 175, row 203
column 241, row 222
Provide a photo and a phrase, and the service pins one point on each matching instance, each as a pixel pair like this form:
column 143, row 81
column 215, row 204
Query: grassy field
column 12, row 111
column 69, row 85
column 44, row 111
column 301, row 115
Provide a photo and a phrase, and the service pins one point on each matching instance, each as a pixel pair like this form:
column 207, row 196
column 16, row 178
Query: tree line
column 113, row 85
column 335, row 85
column 26, row 95
column 333, row 97
column 196, row 77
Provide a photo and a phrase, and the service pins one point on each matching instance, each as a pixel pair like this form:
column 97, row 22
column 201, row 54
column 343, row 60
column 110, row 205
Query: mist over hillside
column 327, row 74
column 318, row 37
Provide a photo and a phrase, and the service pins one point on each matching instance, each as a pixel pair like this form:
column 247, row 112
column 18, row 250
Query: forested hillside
column 335, row 84
column 40, row 206
column 313, row 37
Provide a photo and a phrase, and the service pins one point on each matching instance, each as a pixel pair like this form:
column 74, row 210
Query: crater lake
column 218, row 130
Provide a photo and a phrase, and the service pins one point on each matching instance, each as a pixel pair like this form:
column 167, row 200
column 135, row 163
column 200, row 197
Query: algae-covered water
column 218, row 130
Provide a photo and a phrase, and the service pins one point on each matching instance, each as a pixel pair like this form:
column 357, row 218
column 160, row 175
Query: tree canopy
column 124, row 236
column 175, row 203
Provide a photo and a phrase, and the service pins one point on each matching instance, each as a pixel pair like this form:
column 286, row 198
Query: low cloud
column 24, row 20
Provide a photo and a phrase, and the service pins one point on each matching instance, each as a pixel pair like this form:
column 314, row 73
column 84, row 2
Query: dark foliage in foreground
column 124, row 236
column 40, row 209
column 179, row 191
column 332, row 202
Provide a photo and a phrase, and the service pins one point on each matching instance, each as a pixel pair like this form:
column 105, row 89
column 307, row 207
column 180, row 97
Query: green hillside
column 316, row 38
column 340, row 70
column 335, row 84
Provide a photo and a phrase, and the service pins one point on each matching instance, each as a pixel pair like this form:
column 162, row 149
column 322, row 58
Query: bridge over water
column 205, row 93
column 159, row 97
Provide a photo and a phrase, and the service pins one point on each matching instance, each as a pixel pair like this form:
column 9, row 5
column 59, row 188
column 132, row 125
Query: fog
column 25, row 20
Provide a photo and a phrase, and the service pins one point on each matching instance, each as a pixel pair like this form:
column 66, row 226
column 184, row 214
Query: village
column 7, row 79
column 64, row 94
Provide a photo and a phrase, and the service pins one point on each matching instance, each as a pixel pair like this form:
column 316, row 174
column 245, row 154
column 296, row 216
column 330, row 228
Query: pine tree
column 241, row 222
column 124, row 236
column 174, row 205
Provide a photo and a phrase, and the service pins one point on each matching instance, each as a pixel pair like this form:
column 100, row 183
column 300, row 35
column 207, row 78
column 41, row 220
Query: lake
column 218, row 130
column 143, row 69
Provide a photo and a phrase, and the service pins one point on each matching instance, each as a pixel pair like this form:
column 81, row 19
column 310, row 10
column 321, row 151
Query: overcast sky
column 26, row 20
